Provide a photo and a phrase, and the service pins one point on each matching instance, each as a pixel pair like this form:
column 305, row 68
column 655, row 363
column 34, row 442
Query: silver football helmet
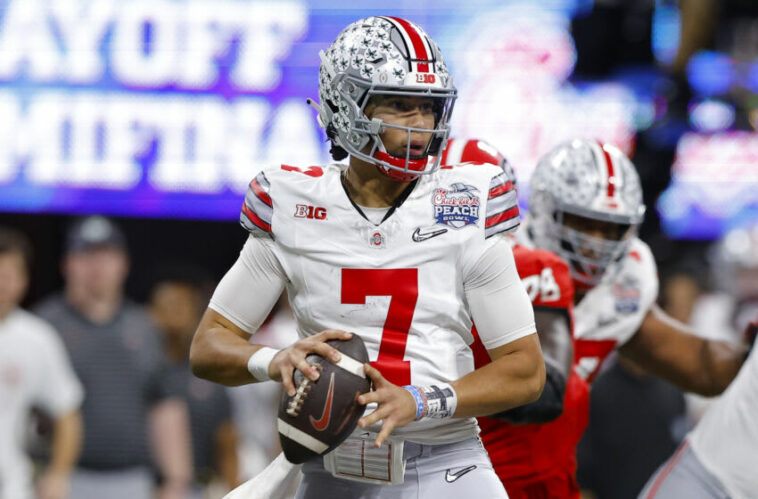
column 594, row 181
column 383, row 56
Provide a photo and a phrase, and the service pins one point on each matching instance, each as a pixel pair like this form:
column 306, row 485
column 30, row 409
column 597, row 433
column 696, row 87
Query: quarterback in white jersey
column 585, row 204
column 393, row 248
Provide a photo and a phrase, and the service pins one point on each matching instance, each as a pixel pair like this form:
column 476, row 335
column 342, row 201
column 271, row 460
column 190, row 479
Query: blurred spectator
column 118, row 357
column 34, row 370
column 636, row 422
column 176, row 304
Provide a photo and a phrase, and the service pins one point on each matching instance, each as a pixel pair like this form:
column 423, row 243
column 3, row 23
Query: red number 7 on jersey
column 401, row 285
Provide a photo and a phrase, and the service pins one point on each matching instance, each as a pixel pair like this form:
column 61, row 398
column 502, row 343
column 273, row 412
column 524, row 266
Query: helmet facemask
column 591, row 259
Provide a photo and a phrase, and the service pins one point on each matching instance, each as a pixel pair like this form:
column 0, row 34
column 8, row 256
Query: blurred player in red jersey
column 585, row 206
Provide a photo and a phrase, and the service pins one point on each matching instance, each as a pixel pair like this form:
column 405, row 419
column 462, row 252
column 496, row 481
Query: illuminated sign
column 713, row 186
column 149, row 107
column 170, row 107
column 514, row 93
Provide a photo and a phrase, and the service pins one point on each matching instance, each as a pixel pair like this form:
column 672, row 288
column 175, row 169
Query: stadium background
column 159, row 112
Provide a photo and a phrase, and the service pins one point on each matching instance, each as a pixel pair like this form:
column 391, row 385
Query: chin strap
column 412, row 166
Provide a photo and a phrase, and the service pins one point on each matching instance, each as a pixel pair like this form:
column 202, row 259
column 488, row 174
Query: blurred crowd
column 102, row 399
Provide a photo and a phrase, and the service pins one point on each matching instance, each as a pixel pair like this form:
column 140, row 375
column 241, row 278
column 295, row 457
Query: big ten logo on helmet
column 312, row 212
column 456, row 206
column 425, row 78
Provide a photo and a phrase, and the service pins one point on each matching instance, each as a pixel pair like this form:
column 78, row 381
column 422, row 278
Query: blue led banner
column 167, row 108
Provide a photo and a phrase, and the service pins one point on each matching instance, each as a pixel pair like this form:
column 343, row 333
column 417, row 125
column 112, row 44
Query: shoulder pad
column 502, row 214
column 257, row 209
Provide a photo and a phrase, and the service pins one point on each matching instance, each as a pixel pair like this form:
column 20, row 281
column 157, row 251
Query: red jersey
column 539, row 460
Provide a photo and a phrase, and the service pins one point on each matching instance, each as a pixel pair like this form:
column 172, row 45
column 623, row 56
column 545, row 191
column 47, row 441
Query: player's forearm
column 67, row 442
column 667, row 348
column 221, row 356
column 510, row 380
column 706, row 369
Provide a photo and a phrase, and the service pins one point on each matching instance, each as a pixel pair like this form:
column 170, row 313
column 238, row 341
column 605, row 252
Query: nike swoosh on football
column 451, row 477
column 419, row 236
column 321, row 423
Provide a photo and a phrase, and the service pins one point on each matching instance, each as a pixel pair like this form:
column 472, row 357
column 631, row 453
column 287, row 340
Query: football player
column 585, row 205
column 392, row 247
column 717, row 459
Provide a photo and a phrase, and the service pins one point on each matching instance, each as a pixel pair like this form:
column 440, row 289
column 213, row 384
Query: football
column 323, row 413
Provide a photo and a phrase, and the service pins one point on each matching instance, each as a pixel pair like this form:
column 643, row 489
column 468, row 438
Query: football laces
column 296, row 403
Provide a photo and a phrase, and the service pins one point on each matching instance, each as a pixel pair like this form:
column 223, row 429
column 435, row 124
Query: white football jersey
column 726, row 439
column 399, row 284
column 611, row 313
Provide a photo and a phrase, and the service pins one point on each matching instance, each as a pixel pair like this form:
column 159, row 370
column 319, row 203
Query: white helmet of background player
column 382, row 56
column 590, row 180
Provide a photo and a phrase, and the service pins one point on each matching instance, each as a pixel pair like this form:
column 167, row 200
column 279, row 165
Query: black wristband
column 546, row 408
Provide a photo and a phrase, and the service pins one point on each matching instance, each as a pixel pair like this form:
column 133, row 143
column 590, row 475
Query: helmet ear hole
column 332, row 106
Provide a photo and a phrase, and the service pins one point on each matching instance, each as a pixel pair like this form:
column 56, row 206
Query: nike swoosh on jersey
column 419, row 236
column 321, row 423
column 451, row 477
